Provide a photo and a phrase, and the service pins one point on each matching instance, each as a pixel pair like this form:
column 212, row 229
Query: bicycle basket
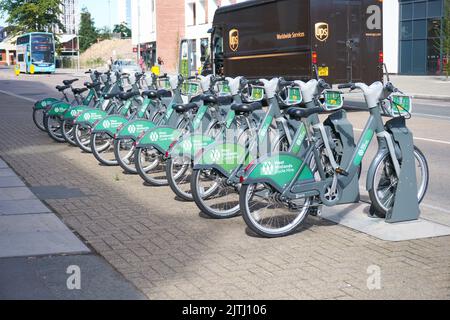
column 256, row 93
column 164, row 84
column 191, row 89
column 292, row 96
column 223, row 89
column 333, row 100
column 398, row 105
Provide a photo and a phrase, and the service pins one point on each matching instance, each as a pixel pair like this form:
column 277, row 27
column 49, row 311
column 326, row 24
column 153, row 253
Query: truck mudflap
column 74, row 112
column 58, row 109
column 133, row 129
column 278, row 171
column 160, row 138
column 45, row 103
column 109, row 125
column 89, row 117
column 189, row 145
column 224, row 157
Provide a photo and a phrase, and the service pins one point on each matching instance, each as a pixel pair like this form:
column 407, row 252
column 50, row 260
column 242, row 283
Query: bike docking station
column 403, row 221
column 406, row 205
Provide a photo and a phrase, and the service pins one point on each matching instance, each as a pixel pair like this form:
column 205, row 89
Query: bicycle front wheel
column 385, row 181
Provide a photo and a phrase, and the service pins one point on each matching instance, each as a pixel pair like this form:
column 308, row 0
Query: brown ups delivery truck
column 286, row 38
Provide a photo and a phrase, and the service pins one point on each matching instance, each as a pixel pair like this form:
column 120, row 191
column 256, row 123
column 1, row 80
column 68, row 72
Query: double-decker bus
column 36, row 52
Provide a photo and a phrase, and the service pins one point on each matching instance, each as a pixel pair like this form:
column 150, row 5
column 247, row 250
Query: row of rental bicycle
column 273, row 151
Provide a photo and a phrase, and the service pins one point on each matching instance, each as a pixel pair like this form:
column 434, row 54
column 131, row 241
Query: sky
column 99, row 10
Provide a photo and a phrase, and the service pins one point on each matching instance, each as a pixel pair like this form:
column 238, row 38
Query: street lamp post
column 139, row 30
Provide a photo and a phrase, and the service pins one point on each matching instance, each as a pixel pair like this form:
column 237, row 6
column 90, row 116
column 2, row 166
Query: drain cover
column 56, row 192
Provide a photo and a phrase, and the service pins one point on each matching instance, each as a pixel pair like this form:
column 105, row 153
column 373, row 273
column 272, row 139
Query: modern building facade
column 70, row 17
column 124, row 11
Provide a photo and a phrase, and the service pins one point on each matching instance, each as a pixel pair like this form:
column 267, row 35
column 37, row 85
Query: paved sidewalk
column 424, row 87
column 37, row 252
column 169, row 250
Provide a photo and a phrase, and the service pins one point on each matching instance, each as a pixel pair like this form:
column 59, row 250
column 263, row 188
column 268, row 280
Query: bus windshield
column 42, row 49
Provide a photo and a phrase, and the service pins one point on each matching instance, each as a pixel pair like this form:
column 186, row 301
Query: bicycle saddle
column 108, row 96
column 128, row 95
column 209, row 99
column 182, row 108
column 151, row 94
column 69, row 82
column 79, row 90
column 163, row 93
column 92, row 85
column 301, row 113
column 62, row 88
column 246, row 108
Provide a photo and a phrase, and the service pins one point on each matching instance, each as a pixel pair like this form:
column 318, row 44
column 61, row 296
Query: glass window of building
column 420, row 25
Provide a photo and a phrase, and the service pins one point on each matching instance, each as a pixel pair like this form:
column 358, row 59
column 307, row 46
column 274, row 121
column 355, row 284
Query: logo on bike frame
column 107, row 124
column 234, row 39
column 322, row 31
column 154, row 136
column 132, row 129
column 215, row 155
column 87, row 116
column 268, row 169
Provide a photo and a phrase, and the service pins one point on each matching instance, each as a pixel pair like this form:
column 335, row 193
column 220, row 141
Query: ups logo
column 322, row 31
column 234, row 39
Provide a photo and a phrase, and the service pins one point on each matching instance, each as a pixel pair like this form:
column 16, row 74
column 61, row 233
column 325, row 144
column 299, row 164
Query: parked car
column 126, row 66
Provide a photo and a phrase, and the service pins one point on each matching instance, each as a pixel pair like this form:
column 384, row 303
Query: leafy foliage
column 32, row 15
column 123, row 29
column 445, row 37
column 88, row 33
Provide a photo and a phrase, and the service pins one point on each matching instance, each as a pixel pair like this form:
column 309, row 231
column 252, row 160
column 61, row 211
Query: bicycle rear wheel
column 213, row 196
column 53, row 125
column 38, row 119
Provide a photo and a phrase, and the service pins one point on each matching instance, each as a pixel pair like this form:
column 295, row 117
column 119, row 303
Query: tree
column 445, row 38
column 123, row 29
column 32, row 15
column 88, row 32
column 104, row 33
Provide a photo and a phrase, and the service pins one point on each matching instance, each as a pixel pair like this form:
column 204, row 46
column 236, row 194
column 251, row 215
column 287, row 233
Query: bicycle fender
column 189, row 145
column 133, row 129
column 278, row 171
column 159, row 138
column 109, row 125
column 58, row 109
column 45, row 103
column 74, row 112
column 89, row 117
column 224, row 157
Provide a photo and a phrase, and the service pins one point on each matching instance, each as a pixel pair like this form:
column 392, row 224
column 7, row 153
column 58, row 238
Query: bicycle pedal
column 342, row 172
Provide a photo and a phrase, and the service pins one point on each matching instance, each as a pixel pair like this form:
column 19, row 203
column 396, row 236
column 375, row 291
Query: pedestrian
column 142, row 63
column 160, row 63
column 110, row 63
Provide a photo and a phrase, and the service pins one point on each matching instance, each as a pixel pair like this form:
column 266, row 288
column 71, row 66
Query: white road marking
column 18, row 96
column 421, row 139
column 430, row 115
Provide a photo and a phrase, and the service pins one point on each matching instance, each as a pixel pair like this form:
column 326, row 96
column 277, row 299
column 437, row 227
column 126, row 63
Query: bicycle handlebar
column 347, row 86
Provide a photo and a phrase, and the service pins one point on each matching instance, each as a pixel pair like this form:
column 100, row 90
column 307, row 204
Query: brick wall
column 170, row 26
